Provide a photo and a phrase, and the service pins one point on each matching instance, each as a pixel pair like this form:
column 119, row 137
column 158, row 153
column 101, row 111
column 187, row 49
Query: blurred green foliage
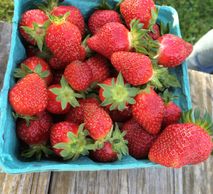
column 196, row 16
column 6, row 10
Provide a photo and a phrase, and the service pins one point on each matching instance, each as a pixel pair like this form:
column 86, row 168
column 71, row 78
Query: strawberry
column 78, row 75
column 97, row 121
column 33, row 26
column 121, row 116
column 99, row 67
column 112, row 149
column 69, row 141
column 105, row 154
column 75, row 16
column 156, row 32
column 139, row 141
column 137, row 9
column 76, row 115
column 101, row 17
column 148, row 110
column 28, row 96
column 36, row 134
column 135, row 67
column 57, row 64
column 34, row 65
column 57, row 75
column 114, row 37
column 64, row 40
column 38, row 130
column 183, row 144
column 55, row 106
column 115, row 94
column 172, row 114
column 173, row 50
column 60, row 97
column 138, row 69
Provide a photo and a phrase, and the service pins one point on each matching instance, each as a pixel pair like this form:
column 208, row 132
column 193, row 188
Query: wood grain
column 188, row 180
column 138, row 181
column 36, row 183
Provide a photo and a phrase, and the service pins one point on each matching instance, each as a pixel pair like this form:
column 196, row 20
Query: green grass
column 196, row 16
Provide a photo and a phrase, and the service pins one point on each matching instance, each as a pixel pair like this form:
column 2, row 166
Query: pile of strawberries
column 103, row 89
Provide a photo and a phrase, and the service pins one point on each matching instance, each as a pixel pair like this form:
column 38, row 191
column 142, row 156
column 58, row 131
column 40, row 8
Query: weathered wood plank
column 5, row 30
column 36, row 183
column 138, row 181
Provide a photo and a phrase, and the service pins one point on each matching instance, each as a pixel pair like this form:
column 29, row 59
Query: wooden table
column 188, row 180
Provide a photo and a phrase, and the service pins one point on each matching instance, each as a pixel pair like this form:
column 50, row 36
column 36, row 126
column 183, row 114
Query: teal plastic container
column 9, row 159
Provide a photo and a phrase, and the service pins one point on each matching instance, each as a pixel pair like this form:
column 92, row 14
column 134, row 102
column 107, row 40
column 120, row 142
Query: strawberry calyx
column 152, row 22
column 25, row 117
column 25, row 70
column 140, row 39
column 78, row 145
column 37, row 151
column 89, row 52
column 168, row 97
column 58, row 20
column 119, row 144
column 194, row 116
column 37, row 32
column 162, row 78
column 116, row 139
column 118, row 94
column 104, row 6
column 48, row 6
column 66, row 95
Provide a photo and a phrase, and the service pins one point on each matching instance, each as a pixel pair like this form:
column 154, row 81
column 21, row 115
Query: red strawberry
column 60, row 97
column 156, row 34
column 78, row 75
column 114, row 37
column 183, row 144
column 97, row 121
column 32, row 26
column 105, row 154
column 28, row 96
column 137, row 9
column 68, row 140
column 57, row 75
column 101, row 17
column 75, row 17
column 55, row 106
column 76, row 115
column 38, row 130
column 64, row 41
column 173, row 50
column 36, row 135
column 57, row 64
column 172, row 114
column 34, row 65
column 121, row 116
column 99, row 67
column 139, row 141
column 135, row 67
column 115, row 94
column 148, row 110
column 112, row 149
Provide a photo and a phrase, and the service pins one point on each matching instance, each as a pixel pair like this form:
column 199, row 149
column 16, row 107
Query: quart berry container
column 10, row 161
